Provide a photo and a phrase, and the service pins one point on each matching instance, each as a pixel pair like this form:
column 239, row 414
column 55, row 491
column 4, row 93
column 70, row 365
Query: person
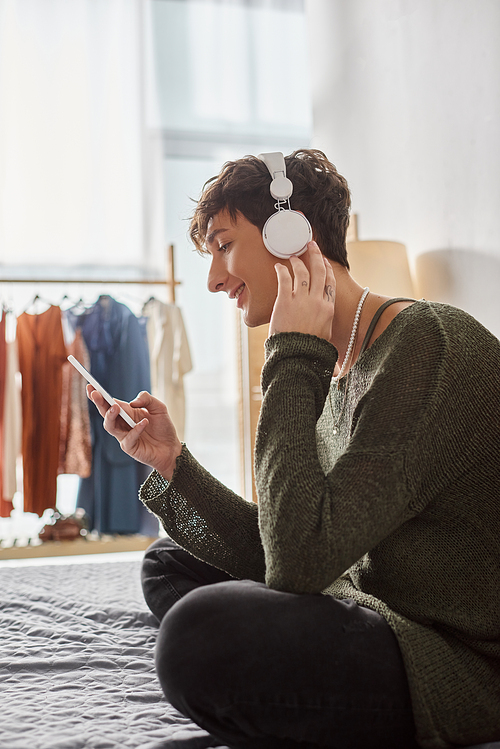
column 357, row 604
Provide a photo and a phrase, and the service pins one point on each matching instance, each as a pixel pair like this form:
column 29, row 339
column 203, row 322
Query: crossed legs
column 256, row 667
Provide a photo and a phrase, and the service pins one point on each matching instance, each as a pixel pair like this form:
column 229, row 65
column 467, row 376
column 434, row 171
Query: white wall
column 406, row 103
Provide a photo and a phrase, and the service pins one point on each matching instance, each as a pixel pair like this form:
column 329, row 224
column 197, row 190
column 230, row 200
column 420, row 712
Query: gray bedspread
column 76, row 662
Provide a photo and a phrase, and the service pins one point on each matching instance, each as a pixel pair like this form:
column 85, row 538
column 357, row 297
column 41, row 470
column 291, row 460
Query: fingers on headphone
column 329, row 269
column 284, row 277
column 300, row 274
column 330, row 282
column 319, row 271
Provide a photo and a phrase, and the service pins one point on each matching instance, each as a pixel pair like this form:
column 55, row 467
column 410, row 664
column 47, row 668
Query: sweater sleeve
column 315, row 526
column 206, row 518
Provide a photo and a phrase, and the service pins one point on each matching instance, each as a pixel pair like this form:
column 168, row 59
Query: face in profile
column 242, row 267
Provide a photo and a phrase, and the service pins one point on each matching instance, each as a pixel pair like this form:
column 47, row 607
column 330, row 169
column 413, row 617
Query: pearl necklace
column 354, row 330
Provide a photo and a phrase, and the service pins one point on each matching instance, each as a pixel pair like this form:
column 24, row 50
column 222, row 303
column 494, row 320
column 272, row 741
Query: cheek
column 266, row 285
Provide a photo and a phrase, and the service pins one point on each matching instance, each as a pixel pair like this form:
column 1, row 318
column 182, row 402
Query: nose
column 217, row 276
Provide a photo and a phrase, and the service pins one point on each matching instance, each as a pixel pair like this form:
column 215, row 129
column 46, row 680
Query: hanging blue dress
column 119, row 360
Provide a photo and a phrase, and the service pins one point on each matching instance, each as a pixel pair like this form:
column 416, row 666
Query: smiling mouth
column 238, row 291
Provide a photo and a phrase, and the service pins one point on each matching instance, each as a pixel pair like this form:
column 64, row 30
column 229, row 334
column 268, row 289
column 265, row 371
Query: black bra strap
column 376, row 318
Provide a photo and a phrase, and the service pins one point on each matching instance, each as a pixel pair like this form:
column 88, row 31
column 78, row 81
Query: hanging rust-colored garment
column 75, row 447
column 12, row 427
column 41, row 355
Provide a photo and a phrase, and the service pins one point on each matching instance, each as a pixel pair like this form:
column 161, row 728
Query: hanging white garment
column 12, row 421
column 170, row 358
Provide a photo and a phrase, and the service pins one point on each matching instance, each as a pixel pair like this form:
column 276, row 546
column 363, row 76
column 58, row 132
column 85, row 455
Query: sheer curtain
column 78, row 143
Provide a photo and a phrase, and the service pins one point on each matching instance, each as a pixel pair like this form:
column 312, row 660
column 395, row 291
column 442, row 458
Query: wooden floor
column 80, row 546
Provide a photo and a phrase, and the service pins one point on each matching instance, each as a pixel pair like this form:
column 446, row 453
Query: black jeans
column 257, row 667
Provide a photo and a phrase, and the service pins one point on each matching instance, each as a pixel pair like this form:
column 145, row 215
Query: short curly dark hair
column 242, row 186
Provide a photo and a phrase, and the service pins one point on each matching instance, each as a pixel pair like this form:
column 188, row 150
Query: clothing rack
column 170, row 280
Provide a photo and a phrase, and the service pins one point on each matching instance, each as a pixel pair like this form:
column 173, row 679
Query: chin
column 255, row 321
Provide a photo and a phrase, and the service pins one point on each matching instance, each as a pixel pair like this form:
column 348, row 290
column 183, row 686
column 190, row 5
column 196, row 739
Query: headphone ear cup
column 286, row 233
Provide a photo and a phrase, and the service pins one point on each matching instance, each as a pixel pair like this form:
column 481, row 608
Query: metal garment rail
column 170, row 280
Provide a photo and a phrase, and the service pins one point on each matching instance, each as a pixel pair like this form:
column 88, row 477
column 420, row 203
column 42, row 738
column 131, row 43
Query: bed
column 76, row 662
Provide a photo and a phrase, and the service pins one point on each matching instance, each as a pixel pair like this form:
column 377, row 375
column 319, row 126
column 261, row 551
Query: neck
column 347, row 296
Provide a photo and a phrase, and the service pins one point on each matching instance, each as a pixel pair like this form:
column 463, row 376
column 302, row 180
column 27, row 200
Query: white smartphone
column 100, row 388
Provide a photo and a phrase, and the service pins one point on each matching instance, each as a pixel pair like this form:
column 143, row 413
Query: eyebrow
column 213, row 234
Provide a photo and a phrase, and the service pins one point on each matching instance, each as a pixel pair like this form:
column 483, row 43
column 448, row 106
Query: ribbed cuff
column 156, row 485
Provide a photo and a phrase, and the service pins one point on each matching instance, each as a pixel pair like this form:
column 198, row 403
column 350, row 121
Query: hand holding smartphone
column 107, row 397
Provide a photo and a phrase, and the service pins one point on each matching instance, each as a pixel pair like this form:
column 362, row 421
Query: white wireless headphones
column 286, row 232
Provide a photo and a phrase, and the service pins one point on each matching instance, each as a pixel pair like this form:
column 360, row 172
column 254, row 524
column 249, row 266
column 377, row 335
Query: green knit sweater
column 388, row 494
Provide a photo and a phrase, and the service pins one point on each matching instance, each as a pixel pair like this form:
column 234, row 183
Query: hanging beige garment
column 12, row 423
column 75, row 449
column 41, row 355
column 170, row 358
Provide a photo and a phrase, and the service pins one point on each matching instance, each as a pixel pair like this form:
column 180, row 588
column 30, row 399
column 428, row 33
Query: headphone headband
column 281, row 188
